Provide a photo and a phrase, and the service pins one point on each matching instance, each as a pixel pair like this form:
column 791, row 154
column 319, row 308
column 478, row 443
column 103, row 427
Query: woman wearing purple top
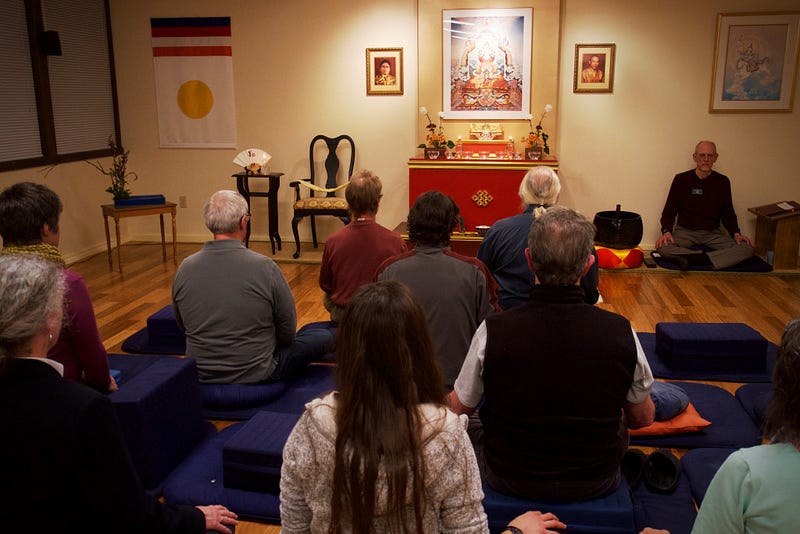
column 29, row 215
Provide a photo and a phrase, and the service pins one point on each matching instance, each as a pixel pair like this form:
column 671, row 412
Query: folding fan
column 252, row 159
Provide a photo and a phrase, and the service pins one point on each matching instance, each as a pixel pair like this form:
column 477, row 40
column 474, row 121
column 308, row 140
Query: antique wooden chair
column 322, row 199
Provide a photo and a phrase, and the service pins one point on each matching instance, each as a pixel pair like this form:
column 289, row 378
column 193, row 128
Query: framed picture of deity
column 384, row 71
column 594, row 68
column 755, row 62
column 486, row 59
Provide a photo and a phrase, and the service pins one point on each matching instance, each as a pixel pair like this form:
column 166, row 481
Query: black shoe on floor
column 632, row 466
column 662, row 471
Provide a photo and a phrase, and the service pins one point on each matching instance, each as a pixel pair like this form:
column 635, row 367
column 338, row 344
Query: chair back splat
column 326, row 202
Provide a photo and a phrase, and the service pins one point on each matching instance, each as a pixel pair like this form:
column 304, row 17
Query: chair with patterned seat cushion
column 322, row 200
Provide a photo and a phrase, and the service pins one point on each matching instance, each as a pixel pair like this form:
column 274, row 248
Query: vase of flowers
column 536, row 141
column 436, row 144
column 118, row 171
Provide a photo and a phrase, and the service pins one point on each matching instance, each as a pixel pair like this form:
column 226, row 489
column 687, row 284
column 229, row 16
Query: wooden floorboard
column 123, row 302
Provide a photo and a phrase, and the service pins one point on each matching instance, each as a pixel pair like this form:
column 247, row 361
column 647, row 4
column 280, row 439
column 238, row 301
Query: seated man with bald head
column 236, row 308
column 699, row 211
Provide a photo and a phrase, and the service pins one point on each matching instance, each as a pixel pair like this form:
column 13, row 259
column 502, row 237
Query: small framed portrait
column 384, row 71
column 755, row 62
column 594, row 68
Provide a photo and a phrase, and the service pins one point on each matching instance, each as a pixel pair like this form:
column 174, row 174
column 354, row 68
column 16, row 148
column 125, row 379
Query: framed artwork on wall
column 594, row 68
column 755, row 62
column 384, row 71
column 486, row 60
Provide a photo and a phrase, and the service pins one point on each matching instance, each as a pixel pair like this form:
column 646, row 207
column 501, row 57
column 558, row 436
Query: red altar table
column 485, row 190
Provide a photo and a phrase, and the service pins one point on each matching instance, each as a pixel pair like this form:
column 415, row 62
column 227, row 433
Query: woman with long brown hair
column 383, row 453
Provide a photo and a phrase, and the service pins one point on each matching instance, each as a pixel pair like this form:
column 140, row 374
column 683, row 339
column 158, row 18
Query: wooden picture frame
column 389, row 82
column 594, row 68
column 755, row 62
column 486, row 63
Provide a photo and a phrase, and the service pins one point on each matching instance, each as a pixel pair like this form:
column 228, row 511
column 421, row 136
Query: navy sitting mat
column 730, row 424
column 700, row 466
column 289, row 396
column 198, row 480
column 161, row 335
column 753, row 264
column 711, row 346
column 661, row 369
column 159, row 410
column 754, row 399
column 252, row 458
column 610, row 514
column 674, row 511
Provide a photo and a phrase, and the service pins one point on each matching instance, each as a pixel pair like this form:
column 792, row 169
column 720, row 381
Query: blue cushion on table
column 198, row 481
column 612, row 513
column 159, row 409
column 754, row 399
column 700, row 466
column 252, row 458
column 711, row 346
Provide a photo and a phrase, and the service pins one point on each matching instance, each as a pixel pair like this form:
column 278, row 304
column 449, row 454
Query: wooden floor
column 766, row 302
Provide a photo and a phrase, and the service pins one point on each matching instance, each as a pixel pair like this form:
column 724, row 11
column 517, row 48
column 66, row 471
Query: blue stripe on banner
column 190, row 22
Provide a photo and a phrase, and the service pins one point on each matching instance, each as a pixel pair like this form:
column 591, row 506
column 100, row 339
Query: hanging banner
column 194, row 82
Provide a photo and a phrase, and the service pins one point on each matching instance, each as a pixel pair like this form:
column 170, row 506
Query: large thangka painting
column 486, row 59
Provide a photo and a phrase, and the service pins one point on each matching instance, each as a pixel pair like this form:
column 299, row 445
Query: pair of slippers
column 660, row 470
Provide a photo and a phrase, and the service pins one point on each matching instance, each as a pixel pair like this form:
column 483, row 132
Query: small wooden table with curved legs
column 110, row 210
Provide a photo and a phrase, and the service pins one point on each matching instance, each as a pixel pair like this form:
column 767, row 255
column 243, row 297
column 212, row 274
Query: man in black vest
column 561, row 380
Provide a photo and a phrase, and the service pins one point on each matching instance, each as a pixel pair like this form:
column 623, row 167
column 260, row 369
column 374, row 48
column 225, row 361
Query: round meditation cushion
column 619, row 258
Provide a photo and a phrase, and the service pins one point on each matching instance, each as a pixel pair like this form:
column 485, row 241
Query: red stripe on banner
column 198, row 31
column 160, row 51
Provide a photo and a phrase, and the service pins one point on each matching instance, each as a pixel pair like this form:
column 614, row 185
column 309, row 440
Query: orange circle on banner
column 195, row 99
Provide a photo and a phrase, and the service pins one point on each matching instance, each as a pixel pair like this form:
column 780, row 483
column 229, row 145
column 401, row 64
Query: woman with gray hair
column 503, row 247
column 64, row 462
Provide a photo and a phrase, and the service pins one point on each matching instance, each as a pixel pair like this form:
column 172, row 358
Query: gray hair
column 540, row 185
column 223, row 211
column 560, row 242
column 31, row 298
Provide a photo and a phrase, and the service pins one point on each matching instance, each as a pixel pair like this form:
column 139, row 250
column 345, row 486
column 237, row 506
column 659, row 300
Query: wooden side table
column 110, row 210
column 243, row 186
column 780, row 233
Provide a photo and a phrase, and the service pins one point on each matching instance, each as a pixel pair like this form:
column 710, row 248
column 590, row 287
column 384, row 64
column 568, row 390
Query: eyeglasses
column 706, row 156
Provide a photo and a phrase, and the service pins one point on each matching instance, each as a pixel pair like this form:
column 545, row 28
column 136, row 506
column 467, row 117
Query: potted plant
column 534, row 150
column 436, row 144
column 118, row 171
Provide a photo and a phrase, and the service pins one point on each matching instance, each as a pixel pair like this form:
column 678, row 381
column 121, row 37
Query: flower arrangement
column 118, row 171
column 435, row 137
column 537, row 133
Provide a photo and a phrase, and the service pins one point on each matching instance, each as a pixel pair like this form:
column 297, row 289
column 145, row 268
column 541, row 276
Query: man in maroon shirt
column 701, row 201
column 352, row 255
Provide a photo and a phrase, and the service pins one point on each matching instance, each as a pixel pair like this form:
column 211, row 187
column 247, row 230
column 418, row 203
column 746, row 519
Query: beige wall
column 299, row 71
column 626, row 146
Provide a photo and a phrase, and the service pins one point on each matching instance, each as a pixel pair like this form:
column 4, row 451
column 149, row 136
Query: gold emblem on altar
column 485, row 131
column 482, row 198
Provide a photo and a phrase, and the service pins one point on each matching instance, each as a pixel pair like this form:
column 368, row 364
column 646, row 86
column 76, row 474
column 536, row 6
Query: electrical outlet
column 182, row 201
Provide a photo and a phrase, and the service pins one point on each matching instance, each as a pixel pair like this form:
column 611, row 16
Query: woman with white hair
column 63, row 459
column 503, row 247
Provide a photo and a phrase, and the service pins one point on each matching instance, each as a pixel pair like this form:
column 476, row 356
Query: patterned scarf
column 48, row 252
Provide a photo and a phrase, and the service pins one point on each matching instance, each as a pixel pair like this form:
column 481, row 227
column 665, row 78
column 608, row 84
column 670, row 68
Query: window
column 55, row 108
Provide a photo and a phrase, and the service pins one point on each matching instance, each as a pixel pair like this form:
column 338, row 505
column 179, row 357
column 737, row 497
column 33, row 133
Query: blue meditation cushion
column 252, row 458
column 711, row 346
